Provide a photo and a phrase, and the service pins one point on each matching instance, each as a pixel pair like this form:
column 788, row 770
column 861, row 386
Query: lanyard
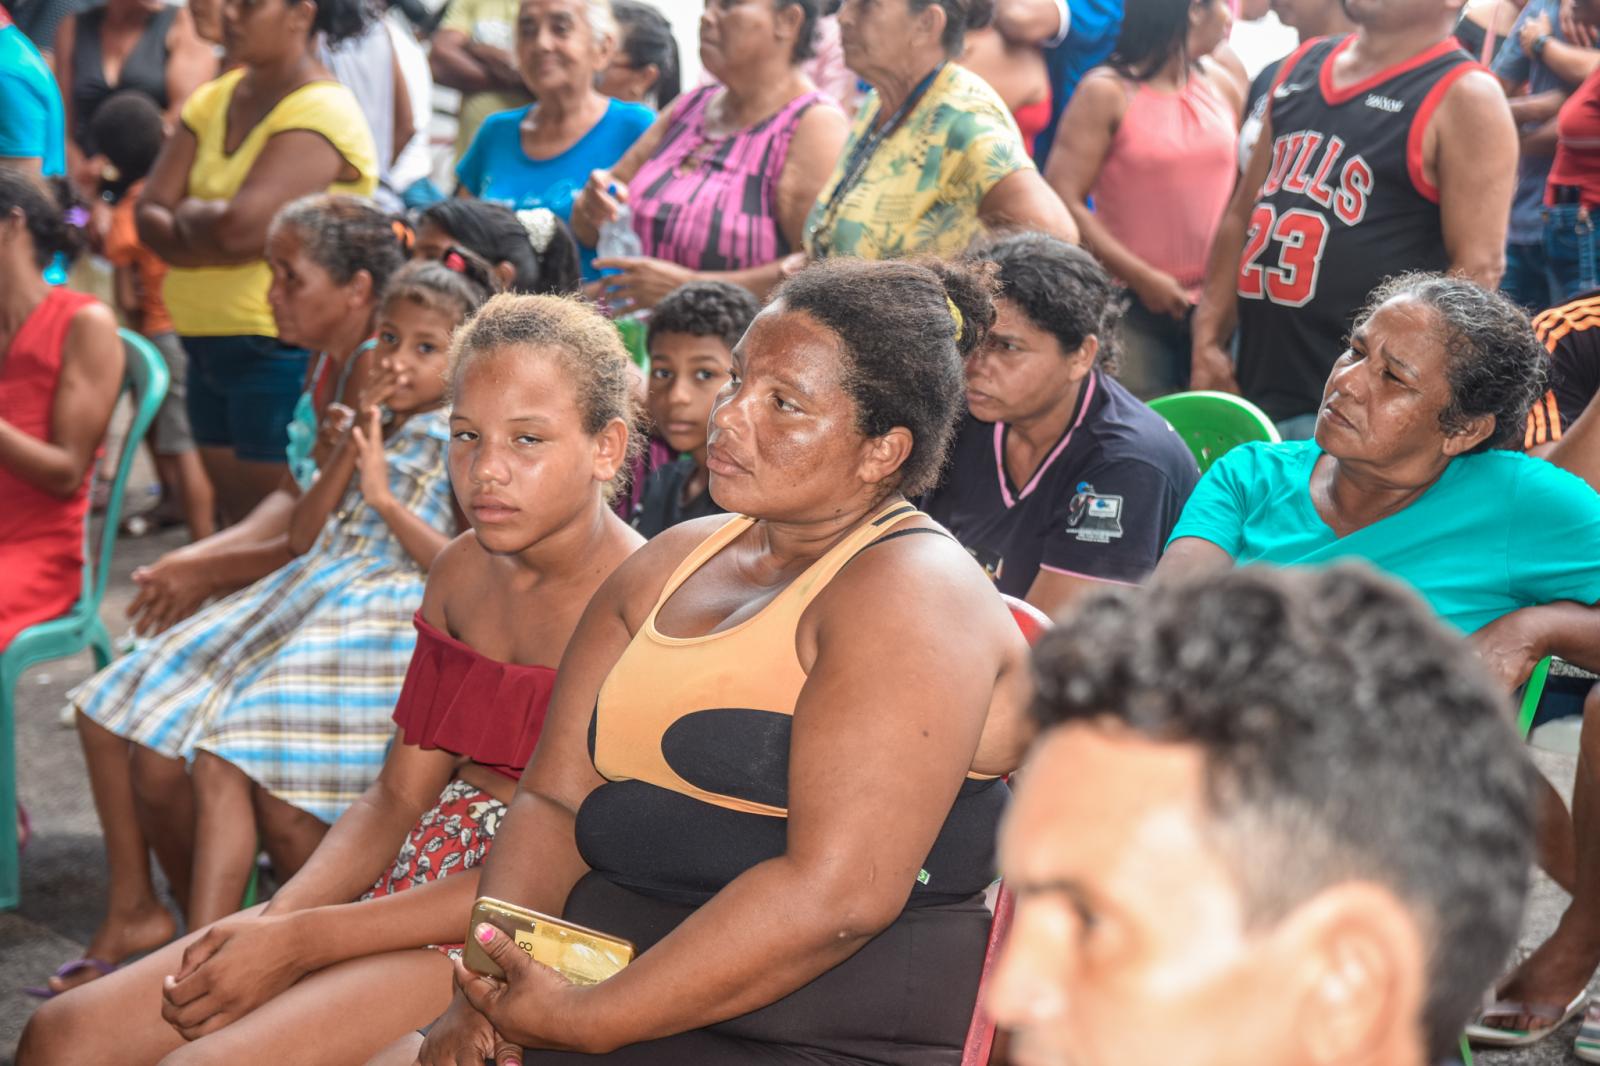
column 861, row 155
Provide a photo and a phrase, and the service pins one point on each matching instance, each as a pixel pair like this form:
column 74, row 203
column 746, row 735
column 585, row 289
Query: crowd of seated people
column 674, row 592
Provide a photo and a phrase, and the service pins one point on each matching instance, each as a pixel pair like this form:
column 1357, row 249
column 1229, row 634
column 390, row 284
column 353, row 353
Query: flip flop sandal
column 1587, row 1046
column 1556, row 1017
column 76, row 966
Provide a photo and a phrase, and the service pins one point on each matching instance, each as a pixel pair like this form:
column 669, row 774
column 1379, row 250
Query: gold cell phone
column 582, row 956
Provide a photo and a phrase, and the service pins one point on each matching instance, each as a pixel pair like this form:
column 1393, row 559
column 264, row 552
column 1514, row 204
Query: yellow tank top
column 751, row 669
column 231, row 301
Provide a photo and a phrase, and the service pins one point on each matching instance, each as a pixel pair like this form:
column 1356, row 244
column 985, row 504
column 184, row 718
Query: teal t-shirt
column 1497, row 532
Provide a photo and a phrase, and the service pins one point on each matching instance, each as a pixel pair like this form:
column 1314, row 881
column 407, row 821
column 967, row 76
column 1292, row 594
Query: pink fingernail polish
column 485, row 933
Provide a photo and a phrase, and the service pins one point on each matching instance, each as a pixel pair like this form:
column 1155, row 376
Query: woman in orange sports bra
column 771, row 758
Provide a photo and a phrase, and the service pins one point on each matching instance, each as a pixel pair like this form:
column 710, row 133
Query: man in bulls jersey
column 1383, row 151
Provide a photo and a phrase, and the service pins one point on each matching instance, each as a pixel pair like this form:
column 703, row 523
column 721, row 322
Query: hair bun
column 971, row 288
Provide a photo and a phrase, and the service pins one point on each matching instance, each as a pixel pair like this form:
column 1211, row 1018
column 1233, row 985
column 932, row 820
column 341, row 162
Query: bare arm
column 1189, row 557
column 1216, row 315
column 293, row 164
column 1537, row 107
column 163, row 191
column 1569, row 62
column 86, row 391
column 595, row 205
column 66, row 46
column 1473, row 146
column 1083, row 141
column 468, row 67
column 190, row 64
column 1578, row 450
column 312, row 510
column 405, row 126
column 1022, row 201
column 1030, row 21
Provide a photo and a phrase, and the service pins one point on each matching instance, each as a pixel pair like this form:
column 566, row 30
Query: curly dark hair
column 1061, row 288
column 345, row 234
column 705, row 309
column 1347, row 734
column 902, row 347
column 959, row 17
column 44, row 204
column 495, row 232
column 1494, row 362
column 128, row 130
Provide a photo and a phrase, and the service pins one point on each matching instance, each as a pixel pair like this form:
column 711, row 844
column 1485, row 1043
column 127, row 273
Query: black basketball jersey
column 1345, row 205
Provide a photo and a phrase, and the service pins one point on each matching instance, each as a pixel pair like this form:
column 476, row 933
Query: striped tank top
column 711, row 203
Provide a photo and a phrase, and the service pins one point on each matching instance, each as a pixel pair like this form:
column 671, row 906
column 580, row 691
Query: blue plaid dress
column 294, row 679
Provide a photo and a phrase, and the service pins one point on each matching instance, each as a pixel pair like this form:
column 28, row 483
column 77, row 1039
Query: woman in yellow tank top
column 273, row 129
column 771, row 757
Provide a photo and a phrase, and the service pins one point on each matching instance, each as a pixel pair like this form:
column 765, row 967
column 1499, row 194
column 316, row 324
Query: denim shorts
column 242, row 392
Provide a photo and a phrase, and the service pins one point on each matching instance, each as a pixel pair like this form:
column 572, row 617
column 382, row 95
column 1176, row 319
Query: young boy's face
column 686, row 373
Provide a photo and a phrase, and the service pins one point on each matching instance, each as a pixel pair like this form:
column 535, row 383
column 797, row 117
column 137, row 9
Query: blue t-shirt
column 32, row 123
column 1515, row 67
column 1497, row 532
column 1090, row 37
column 496, row 168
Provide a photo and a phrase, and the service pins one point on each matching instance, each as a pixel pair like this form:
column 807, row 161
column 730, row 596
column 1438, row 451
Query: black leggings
column 904, row 999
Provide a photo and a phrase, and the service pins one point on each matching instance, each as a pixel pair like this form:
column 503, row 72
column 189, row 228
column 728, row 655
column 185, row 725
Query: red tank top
column 41, row 536
column 458, row 700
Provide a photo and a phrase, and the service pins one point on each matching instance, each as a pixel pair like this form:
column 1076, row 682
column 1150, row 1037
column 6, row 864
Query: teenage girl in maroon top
column 60, row 371
column 351, row 953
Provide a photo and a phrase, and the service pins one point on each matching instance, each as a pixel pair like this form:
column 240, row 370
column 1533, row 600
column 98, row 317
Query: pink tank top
column 1168, row 176
column 712, row 204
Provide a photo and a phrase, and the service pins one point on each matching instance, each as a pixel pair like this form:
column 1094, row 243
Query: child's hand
column 336, row 422
column 383, row 384
column 372, row 465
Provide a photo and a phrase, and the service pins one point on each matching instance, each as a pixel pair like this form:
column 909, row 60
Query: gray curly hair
column 1493, row 361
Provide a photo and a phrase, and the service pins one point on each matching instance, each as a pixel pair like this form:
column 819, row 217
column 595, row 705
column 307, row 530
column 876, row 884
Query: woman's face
column 783, row 443
column 256, row 32
column 1020, row 372
column 311, row 309
column 1209, row 23
column 1382, row 402
column 520, row 462
column 875, row 36
column 556, row 46
column 746, row 32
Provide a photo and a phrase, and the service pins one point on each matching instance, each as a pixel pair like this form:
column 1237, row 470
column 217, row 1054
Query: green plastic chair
column 1211, row 423
column 145, row 379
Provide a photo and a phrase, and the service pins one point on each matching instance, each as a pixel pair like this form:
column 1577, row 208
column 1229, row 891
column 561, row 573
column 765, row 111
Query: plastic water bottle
column 617, row 238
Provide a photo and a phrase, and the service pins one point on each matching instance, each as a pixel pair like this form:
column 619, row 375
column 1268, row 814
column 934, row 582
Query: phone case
column 582, row 956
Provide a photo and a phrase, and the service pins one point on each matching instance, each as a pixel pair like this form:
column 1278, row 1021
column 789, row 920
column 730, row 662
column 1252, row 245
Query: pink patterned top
column 712, row 204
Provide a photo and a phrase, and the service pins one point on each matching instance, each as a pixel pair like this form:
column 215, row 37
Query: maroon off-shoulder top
column 459, row 700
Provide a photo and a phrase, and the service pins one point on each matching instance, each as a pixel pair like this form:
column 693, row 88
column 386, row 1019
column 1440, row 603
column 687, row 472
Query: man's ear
column 1358, row 966
column 883, row 456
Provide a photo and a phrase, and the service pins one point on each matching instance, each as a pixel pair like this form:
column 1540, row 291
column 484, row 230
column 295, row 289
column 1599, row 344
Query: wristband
column 1537, row 50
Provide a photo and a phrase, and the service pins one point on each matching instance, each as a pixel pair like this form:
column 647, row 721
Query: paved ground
column 63, row 871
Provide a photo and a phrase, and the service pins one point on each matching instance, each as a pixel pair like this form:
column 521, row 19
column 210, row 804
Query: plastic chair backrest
column 145, row 379
column 980, row 1033
column 1213, row 423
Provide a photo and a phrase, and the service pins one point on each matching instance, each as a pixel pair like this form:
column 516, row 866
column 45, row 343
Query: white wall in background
column 685, row 18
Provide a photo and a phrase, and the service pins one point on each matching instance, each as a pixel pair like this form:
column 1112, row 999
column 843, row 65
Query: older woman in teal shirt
column 1410, row 469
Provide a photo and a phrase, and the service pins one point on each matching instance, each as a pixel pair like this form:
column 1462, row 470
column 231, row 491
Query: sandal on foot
column 1587, row 1046
column 1552, row 1017
column 72, row 969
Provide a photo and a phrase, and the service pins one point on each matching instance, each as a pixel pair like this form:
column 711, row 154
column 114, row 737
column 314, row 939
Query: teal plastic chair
column 1211, row 423
column 145, row 379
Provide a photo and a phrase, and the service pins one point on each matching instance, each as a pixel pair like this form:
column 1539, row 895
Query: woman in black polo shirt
column 1059, row 476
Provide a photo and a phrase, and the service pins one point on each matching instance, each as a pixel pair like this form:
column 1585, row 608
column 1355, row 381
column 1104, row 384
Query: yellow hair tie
column 955, row 313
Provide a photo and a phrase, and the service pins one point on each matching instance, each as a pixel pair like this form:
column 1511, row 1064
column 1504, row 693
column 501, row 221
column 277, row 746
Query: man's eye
column 465, row 436
column 705, row 375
